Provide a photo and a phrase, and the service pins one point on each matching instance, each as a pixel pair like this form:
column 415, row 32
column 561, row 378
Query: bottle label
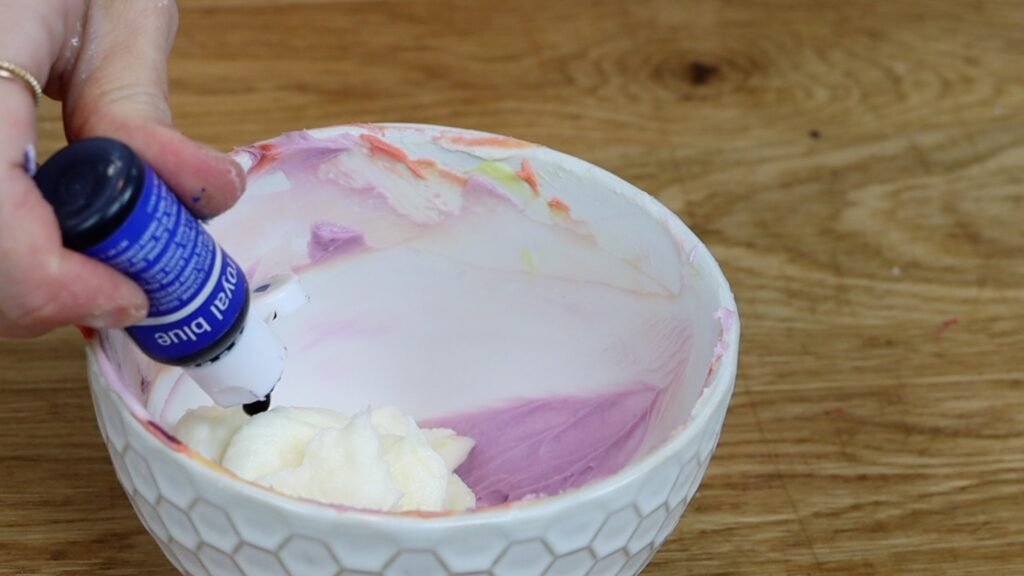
column 196, row 291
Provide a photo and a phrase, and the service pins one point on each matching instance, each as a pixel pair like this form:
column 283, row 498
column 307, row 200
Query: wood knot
column 701, row 72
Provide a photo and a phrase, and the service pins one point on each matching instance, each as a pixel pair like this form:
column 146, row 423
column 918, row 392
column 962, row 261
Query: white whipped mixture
column 378, row 459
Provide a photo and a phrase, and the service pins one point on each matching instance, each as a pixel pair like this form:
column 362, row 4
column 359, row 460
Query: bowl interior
column 470, row 280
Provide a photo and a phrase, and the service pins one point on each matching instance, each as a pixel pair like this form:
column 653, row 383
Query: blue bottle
column 113, row 207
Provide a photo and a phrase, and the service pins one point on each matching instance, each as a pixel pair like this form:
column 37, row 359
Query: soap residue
column 329, row 238
column 377, row 459
column 545, row 446
column 504, row 269
column 363, row 170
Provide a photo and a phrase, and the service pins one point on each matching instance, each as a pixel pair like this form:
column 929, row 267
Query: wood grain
column 857, row 167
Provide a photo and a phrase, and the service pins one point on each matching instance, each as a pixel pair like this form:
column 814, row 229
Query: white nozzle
column 251, row 369
column 248, row 371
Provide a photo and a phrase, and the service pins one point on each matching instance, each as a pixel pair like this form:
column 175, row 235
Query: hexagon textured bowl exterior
column 209, row 524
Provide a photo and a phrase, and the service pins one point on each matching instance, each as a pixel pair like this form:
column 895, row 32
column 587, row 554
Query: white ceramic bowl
column 208, row 522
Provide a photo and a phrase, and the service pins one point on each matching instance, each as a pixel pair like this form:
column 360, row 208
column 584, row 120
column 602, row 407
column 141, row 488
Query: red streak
column 87, row 332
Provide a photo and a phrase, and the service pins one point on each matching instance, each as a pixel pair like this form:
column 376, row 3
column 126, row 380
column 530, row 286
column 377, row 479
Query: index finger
column 43, row 285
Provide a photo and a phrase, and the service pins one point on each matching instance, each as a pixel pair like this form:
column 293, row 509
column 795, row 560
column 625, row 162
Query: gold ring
column 14, row 72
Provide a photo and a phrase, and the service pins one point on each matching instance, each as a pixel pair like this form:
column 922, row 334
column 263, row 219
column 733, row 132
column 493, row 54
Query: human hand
column 106, row 60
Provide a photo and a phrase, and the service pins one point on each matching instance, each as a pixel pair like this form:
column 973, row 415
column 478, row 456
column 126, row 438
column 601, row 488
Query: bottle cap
column 93, row 185
column 247, row 371
column 277, row 296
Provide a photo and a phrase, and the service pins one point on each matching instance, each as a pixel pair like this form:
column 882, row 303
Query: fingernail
column 238, row 175
column 30, row 160
column 117, row 318
column 211, row 151
column 235, row 172
column 103, row 320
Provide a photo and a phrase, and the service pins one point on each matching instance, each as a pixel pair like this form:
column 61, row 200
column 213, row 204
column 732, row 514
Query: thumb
column 118, row 88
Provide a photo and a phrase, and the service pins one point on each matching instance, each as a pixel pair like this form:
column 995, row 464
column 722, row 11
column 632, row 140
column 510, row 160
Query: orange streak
column 558, row 205
column 268, row 153
column 378, row 144
column 457, row 177
column 452, row 175
column 526, row 173
column 426, row 163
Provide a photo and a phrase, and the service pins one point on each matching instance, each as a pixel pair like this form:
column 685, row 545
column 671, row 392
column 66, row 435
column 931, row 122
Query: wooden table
column 857, row 167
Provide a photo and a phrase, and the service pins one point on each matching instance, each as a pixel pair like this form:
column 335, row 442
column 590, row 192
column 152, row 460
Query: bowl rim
column 718, row 385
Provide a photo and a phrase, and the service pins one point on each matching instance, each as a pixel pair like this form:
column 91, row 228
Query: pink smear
column 484, row 141
column 550, row 445
column 328, row 239
column 721, row 347
column 293, row 148
column 727, row 317
column 252, row 269
column 693, row 254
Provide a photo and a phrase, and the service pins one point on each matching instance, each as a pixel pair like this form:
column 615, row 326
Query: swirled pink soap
column 511, row 294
